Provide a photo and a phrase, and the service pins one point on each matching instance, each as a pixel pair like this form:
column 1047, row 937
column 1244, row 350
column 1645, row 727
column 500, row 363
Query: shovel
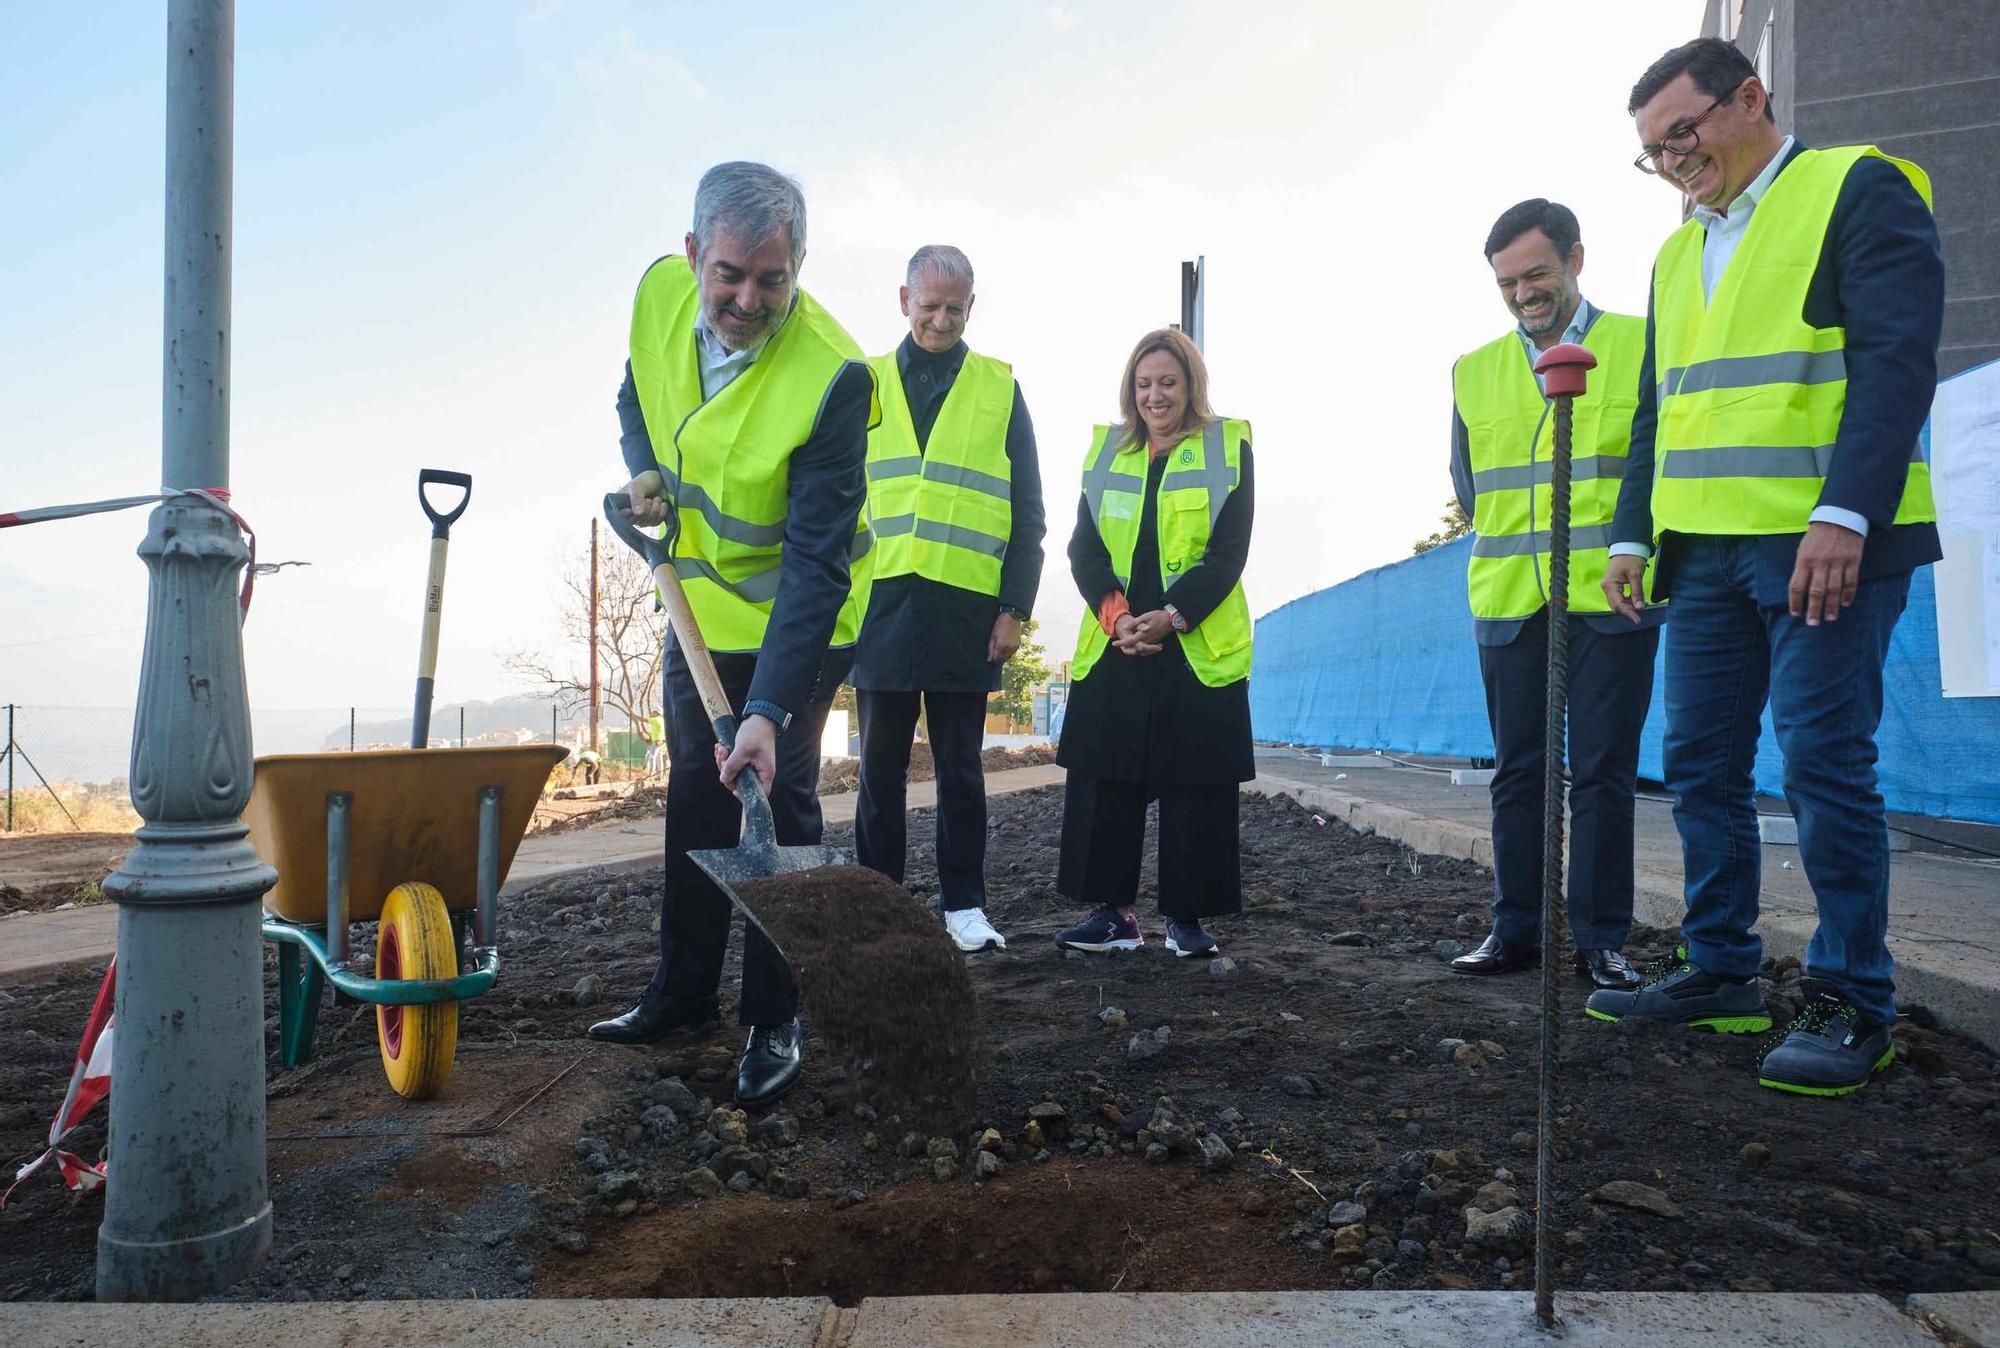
column 427, row 654
column 758, row 856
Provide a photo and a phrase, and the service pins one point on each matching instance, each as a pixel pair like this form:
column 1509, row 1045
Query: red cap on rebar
column 1563, row 368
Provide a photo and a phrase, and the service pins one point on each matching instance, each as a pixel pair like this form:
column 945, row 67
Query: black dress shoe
column 771, row 1063
column 1495, row 956
column 1608, row 969
column 655, row 1017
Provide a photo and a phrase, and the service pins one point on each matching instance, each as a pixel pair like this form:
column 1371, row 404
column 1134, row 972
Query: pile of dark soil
column 879, row 980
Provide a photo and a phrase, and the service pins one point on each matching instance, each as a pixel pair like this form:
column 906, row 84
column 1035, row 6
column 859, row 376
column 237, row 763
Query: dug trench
column 1326, row 1106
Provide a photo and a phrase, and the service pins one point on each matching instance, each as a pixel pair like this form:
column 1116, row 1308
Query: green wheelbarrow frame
column 311, row 955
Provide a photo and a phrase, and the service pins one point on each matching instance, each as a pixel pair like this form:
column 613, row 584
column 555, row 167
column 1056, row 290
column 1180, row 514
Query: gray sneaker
column 1679, row 992
column 1830, row 1049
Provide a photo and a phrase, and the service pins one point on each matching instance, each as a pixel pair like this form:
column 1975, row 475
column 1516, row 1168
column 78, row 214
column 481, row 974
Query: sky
column 441, row 211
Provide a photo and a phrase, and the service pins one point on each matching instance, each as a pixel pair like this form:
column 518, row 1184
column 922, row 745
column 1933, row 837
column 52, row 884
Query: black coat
column 924, row 636
column 1149, row 718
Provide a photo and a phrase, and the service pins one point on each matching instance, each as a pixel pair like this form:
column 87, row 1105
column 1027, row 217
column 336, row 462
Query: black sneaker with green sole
column 1830, row 1049
column 1678, row 992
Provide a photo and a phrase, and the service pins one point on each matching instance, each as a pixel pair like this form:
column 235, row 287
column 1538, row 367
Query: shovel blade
column 731, row 866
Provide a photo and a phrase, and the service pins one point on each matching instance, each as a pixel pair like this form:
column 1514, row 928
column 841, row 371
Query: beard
column 740, row 329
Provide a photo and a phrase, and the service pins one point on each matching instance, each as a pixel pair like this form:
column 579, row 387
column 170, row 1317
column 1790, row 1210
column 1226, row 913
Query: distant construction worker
column 746, row 407
column 1794, row 333
column 592, row 764
column 1501, row 439
column 955, row 503
column 656, row 745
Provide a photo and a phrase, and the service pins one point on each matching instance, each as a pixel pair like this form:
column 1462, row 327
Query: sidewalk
column 1073, row 1320
column 40, row 941
column 1944, row 911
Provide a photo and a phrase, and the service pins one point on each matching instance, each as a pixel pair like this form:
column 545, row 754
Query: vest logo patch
column 1187, row 455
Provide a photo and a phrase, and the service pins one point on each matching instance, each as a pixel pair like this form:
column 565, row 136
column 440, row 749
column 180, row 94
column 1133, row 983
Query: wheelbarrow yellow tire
column 414, row 940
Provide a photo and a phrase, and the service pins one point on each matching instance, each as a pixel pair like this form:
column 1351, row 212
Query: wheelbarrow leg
column 299, row 986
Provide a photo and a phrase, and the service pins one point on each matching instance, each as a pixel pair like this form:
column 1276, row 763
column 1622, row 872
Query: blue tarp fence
column 1387, row 661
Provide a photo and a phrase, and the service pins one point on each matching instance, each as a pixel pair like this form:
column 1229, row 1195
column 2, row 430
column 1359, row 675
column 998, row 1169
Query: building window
column 1763, row 57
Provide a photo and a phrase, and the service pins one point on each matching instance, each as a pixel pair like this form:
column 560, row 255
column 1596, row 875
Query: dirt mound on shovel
column 880, row 981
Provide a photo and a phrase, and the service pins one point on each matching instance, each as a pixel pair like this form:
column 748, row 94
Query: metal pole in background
column 350, row 730
column 595, row 715
column 10, row 767
column 187, row 1212
column 461, row 727
column 1193, row 305
column 1563, row 373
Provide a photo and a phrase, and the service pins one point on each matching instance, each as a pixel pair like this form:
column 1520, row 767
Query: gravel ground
column 1324, row 1106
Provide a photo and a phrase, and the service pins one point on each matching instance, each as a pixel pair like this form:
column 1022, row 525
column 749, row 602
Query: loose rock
column 1629, row 1194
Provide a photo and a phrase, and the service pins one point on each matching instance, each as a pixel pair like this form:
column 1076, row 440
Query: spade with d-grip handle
column 427, row 654
column 759, row 854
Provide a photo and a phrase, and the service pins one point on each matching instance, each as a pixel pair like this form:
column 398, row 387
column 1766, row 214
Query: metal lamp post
column 186, row 1211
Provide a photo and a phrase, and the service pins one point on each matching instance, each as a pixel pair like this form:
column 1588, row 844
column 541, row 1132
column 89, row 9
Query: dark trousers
column 957, row 725
column 694, row 914
column 1728, row 655
column 1610, row 687
column 1104, row 836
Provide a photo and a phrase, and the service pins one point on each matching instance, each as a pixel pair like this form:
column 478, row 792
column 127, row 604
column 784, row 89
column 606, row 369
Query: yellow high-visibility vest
column 1510, row 446
column 1750, row 394
column 727, row 459
column 945, row 511
column 1201, row 473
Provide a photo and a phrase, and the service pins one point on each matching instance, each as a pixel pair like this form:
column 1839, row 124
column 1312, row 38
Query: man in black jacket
column 955, row 501
column 1788, row 558
column 783, row 399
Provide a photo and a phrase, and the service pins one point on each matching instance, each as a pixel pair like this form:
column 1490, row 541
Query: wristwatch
column 757, row 706
column 1019, row 616
column 1174, row 617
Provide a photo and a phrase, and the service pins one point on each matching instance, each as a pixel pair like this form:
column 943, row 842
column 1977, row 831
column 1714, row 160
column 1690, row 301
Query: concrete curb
column 1965, row 996
column 1082, row 1320
column 1970, row 1318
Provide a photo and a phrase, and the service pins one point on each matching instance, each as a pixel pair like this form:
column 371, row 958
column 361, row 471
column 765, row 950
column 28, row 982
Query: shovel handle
column 759, row 829
column 680, row 615
column 442, row 520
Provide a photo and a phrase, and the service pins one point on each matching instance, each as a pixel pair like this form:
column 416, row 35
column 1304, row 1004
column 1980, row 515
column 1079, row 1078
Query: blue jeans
column 1727, row 655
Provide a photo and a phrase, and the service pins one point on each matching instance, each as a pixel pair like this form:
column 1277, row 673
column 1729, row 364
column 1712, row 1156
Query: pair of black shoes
column 771, row 1061
column 1605, row 968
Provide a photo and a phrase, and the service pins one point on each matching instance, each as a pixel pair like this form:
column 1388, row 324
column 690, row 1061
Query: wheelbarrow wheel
column 414, row 940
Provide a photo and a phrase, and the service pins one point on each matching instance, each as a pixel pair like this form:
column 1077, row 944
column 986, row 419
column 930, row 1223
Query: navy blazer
column 1880, row 276
column 825, row 491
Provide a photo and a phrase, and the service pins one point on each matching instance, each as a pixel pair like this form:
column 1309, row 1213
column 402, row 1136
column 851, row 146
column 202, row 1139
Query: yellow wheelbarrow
column 418, row 841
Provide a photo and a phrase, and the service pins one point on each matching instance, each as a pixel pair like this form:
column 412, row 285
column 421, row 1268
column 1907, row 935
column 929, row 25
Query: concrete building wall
column 1921, row 79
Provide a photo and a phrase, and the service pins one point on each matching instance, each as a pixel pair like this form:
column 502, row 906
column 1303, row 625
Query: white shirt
column 1722, row 233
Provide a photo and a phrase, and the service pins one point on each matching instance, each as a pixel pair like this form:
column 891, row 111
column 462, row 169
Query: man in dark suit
column 1777, row 483
column 955, row 497
column 745, row 413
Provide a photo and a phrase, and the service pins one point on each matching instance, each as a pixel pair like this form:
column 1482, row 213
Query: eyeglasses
column 1682, row 140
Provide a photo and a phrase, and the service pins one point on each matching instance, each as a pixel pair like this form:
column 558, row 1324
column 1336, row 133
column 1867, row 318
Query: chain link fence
column 66, row 768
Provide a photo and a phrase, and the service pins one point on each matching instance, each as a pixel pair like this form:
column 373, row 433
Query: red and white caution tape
column 215, row 496
column 89, row 1084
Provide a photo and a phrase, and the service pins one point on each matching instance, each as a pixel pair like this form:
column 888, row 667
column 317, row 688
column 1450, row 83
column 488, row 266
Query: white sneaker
column 970, row 931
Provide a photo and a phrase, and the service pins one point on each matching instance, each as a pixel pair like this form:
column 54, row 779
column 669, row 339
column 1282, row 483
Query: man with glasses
column 1500, row 467
column 1777, row 484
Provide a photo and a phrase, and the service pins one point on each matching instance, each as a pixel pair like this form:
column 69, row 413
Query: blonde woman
column 1160, row 704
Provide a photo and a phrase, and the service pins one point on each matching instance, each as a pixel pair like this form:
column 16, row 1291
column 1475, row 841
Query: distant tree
column 1457, row 524
column 631, row 636
column 1019, row 678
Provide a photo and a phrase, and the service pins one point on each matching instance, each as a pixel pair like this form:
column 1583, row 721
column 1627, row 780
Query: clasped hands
column 1142, row 633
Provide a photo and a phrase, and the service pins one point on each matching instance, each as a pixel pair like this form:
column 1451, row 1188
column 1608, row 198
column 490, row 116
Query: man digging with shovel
column 745, row 415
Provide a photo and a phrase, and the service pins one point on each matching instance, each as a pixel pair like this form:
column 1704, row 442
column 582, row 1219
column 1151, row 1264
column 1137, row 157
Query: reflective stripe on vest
column 945, row 511
column 726, row 460
column 1509, row 444
column 1750, row 394
column 1195, row 486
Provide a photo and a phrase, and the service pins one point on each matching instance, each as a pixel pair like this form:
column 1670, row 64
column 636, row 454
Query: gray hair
column 753, row 201
column 940, row 259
